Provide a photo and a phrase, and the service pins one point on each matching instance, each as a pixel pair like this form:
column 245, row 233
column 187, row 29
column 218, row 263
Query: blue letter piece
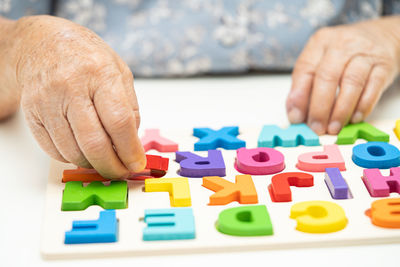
column 295, row 135
column 168, row 224
column 379, row 155
column 103, row 230
column 337, row 184
column 224, row 138
column 193, row 165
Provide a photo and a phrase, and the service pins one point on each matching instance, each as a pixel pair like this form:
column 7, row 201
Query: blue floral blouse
column 182, row 38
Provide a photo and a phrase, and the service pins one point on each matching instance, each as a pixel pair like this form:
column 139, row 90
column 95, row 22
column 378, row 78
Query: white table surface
column 210, row 101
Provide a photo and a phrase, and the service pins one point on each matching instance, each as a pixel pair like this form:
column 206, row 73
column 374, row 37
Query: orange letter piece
column 243, row 190
column 385, row 213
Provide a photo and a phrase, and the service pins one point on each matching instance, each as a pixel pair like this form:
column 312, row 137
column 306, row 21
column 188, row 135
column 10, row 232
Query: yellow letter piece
column 397, row 129
column 178, row 188
column 318, row 216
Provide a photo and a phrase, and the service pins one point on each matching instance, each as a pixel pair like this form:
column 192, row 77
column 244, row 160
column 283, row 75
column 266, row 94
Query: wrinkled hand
column 78, row 97
column 362, row 59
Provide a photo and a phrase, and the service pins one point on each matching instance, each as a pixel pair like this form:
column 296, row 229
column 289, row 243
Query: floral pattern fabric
column 183, row 38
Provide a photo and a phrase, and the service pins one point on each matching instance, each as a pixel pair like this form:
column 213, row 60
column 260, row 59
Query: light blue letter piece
column 223, row 138
column 168, row 224
column 379, row 155
column 294, row 135
column 103, row 230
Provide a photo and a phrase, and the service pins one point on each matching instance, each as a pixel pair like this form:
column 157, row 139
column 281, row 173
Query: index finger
column 119, row 120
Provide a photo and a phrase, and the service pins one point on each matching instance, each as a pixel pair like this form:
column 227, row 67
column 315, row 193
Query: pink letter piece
column 318, row 161
column 153, row 140
column 259, row 161
column 379, row 185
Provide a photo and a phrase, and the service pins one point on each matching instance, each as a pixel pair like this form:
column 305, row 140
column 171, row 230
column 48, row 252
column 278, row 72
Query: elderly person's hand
column 77, row 95
column 361, row 59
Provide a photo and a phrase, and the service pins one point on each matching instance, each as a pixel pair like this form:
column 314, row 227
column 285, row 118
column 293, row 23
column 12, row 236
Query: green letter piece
column 77, row 197
column 245, row 221
column 350, row 133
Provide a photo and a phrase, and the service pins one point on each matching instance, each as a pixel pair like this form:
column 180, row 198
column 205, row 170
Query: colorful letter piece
column 318, row 217
column 350, row 133
column 178, row 189
column 156, row 167
column 319, row 161
column 78, row 197
column 223, row 138
column 259, row 161
column 385, row 213
column 379, row 155
column 193, row 165
column 243, row 190
column 379, row 185
column 336, row 184
column 279, row 189
column 153, row 140
column 245, row 221
column 169, row 224
column 397, row 129
column 294, row 135
column 103, row 230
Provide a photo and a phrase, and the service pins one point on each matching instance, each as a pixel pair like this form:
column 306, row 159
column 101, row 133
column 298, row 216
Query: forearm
column 9, row 91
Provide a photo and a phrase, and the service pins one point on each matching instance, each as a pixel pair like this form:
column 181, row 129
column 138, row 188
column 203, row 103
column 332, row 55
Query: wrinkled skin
column 79, row 100
column 78, row 97
column 362, row 59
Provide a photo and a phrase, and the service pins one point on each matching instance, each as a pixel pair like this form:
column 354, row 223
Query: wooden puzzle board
column 358, row 231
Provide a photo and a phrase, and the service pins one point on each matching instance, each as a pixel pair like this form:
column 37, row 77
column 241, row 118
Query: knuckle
column 304, row 66
column 127, row 75
column 94, row 146
column 75, row 156
column 137, row 118
column 353, row 80
column 27, row 102
column 326, row 75
column 121, row 123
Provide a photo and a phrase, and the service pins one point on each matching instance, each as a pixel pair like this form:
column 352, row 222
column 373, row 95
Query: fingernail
column 357, row 117
column 317, row 128
column 136, row 166
column 295, row 116
column 334, row 127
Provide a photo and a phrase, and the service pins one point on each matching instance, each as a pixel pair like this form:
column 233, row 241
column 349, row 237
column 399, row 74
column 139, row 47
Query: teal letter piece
column 294, row 135
column 169, row 224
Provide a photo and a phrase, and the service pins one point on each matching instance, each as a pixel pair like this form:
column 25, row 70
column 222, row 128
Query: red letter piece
column 156, row 167
column 279, row 189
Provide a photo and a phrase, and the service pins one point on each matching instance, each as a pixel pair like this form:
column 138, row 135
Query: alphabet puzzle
column 233, row 188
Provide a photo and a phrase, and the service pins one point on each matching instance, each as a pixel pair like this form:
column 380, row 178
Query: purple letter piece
column 337, row 184
column 193, row 165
